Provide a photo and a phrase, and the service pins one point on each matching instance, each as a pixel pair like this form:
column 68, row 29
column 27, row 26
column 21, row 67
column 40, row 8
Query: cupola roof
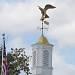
column 42, row 40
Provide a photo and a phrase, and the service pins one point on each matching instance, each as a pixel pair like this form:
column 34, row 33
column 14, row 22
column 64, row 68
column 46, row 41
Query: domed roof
column 42, row 40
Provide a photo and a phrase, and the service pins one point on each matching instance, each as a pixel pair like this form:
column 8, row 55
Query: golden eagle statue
column 43, row 12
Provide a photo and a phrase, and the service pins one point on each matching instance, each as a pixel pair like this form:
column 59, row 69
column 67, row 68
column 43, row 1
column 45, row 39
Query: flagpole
column 3, row 44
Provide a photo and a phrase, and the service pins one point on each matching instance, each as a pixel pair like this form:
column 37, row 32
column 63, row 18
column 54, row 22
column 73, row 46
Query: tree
column 17, row 60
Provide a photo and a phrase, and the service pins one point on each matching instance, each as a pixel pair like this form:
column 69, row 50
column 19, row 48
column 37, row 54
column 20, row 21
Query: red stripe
column 4, row 66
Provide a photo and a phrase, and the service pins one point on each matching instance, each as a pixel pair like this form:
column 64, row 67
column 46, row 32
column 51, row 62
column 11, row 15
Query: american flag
column 4, row 59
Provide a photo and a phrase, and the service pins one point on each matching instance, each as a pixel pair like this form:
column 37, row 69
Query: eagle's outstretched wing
column 48, row 6
column 42, row 10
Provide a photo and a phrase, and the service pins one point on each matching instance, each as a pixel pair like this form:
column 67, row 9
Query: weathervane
column 44, row 15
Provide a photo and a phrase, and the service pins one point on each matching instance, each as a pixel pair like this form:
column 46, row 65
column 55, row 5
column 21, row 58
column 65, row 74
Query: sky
column 20, row 20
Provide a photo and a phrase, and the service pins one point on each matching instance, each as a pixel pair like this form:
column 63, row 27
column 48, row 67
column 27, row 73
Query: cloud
column 62, row 24
column 61, row 67
column 16, row 43
column 18, row 17
column 64, row 34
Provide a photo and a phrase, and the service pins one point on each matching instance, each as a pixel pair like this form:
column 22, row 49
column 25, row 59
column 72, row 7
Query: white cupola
column 42, row 57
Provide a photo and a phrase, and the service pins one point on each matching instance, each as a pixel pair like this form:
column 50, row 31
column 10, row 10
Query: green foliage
column 17, row 60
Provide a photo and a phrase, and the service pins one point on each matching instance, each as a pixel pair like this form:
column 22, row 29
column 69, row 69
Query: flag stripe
column 4, row 59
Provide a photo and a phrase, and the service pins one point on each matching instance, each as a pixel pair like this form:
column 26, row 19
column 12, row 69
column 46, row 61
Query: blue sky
column 19, row 20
